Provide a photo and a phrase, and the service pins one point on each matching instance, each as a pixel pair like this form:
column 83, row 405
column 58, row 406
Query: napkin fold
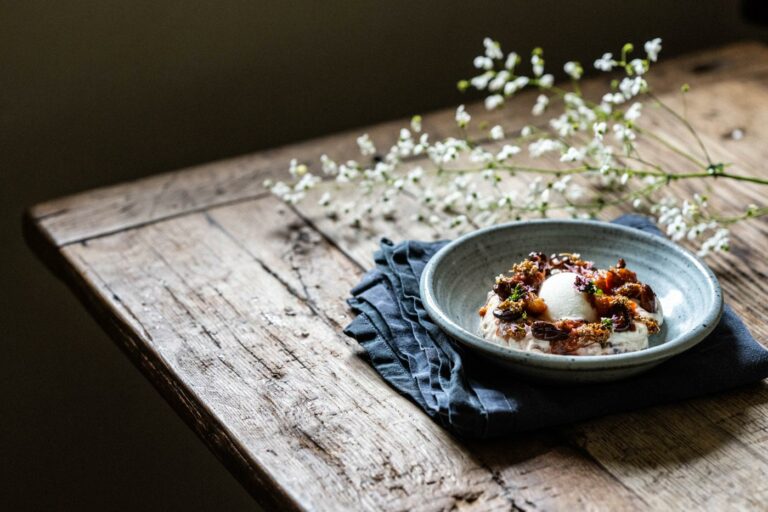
column 473, row 398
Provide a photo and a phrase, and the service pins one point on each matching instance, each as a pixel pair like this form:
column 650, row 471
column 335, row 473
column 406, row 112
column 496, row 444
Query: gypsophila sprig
column 585, row 158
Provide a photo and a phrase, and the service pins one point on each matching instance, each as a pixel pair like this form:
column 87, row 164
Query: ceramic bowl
column 456, row 281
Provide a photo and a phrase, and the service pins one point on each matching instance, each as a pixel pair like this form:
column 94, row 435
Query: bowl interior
column 465, row 272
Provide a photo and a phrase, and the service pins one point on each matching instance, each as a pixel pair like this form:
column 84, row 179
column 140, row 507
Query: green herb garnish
column 518, row 293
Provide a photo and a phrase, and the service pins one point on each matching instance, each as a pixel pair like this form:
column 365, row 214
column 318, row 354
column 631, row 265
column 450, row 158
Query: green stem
column 685, row 122
column 672, row 147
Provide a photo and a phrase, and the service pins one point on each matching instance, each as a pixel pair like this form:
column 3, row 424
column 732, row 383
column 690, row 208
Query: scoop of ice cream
column 564, row 301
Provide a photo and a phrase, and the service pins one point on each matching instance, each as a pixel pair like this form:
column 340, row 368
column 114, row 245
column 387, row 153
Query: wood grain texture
column 232, row 305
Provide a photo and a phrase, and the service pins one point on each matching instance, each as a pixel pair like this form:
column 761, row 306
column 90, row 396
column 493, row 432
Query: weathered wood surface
column 232, row 305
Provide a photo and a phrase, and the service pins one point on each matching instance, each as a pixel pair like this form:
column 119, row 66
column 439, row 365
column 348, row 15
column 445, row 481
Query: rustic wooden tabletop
column 232, row 304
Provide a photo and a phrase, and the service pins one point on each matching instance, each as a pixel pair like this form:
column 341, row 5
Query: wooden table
column 232, row 304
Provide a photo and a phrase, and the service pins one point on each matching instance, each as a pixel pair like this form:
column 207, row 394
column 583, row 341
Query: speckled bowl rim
column 708, row 321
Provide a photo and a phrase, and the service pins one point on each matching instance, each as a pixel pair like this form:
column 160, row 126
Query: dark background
column 97, row 92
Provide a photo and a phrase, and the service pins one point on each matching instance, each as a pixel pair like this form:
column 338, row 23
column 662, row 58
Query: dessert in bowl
column 563, row 304
column 459, row 280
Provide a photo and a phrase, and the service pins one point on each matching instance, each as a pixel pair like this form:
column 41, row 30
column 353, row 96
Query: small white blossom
column 507, row 151
column 416, row 124
column 573, row 69
column 633, row 112
column 515, row 85
column 329, row 166
column 482, row 62
column 492, row 49
column 480, row 82
column 480, row 155
column 526, row 131
column 498, row 82
column 325, row 199
column 719, row 241
column 631, row 87
column 562, row 125
column 616, row 98
column 493, row 101
column 462, row 116
column 541, row 105
column 638, row 66
column 623, row 133
column 652, row 49
column 541, row 146
column 497, row 132
column 561, row 185
column 415, row 175
column 599, row 129
column 365, row 144
column 574, row 154
column 546, row 81
column 538, row 65
column 296, row 169
column 605, row 63
column 512, row 60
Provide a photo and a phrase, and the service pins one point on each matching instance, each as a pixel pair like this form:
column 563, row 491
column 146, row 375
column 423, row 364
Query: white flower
column 652, row 49
column 280, row 189
column 480, row 155
column 546, row 81
column 329, row 166
column 492, row 49
column 599, row 129
column 631, row 87
column 718, row 241
column 480, row 82
column 562, row 125
column 638, row 66
column 616, row 98
column 366, row 145
column 296, row 169
column 325, row 199
column 574, row 154
column 623, row 133
column 633, row 112
column 416, row 124
column 415, row 175
column 561, row 184
column 493, row 101
column 512, row 60
column 526, row 131
column 462, row 116
column 605, row 63
column 515, row 85
column 538, row 64
column 498, row 82
column 541, row 104
column 482, row 62
column 542, row 146
column 306, row 182
column 573, row 69
column 497, row 132
column 507, row 151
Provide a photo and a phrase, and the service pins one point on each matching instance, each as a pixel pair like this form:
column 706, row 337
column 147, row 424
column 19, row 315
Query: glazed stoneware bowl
column 456, row 281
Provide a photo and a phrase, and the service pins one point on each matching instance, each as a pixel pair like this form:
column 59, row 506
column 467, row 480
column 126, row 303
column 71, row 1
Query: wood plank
column 536, row 477
column 287, row 391
column 111, row 209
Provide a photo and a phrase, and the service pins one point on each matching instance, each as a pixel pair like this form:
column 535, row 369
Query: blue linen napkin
column 474, row 399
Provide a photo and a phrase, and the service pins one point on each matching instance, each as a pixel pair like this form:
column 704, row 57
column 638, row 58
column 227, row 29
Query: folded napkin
column 472, row 398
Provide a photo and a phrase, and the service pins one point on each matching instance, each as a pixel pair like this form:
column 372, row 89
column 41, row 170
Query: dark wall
column 96, row 92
